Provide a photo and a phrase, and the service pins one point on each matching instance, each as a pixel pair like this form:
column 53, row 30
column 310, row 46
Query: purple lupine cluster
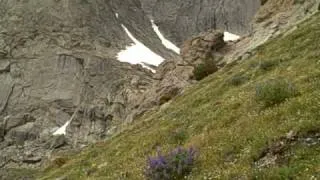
column 175, row 165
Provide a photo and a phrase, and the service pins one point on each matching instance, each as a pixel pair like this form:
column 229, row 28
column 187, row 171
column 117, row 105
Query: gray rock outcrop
column 273, row 18
column 201, row 47
column 181, row 19
column 173, row 76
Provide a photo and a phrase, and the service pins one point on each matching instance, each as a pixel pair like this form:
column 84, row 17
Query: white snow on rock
column 230, row 37
column 147, row 67
column 168, row 44
column 137, row 53
column 62, row 129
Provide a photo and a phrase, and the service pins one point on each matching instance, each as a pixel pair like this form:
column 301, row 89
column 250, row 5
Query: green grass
column 224, row 121
column 207, row 67
column 275, row 91
column 17, row 174
column 304, row 164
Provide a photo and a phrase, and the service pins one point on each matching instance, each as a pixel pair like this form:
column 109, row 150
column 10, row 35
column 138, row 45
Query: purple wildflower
column 174, row 165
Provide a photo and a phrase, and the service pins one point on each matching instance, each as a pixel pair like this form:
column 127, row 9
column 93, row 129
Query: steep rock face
column 184, row 18
column 57, row 63
column 78, row 24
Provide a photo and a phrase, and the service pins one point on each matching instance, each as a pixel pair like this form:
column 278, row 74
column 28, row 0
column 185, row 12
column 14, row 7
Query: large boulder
column 199, row 48
column 56, row 142
column 23, row 133
column 17, row 120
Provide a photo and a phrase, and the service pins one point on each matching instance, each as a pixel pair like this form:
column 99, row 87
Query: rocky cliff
column 57, row 61
column 58, row 65
column 181, row 19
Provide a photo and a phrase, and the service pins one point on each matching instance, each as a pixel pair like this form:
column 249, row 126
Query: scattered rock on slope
column 174, row 75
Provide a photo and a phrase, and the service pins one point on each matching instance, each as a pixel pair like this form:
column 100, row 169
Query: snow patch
column 230, row 37
column 117, row 15
column 168, row 44
column 137, row 53
column 147, row 67
column 62, row 129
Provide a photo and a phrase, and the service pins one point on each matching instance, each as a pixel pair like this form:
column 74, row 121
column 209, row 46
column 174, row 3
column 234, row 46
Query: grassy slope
column 225, row 122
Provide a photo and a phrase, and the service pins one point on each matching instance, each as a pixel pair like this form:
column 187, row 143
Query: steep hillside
column 241, row 126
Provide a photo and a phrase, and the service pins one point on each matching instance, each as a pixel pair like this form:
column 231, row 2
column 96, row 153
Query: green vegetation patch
column 275, row 91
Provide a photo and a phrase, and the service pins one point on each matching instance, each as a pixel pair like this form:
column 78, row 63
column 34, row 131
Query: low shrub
column 204, row 69
column 178, row 136
column 172, row 166
column 268, row 65
column 265, row 65
column 57, row 163
column 275, row 91
column 238, row 79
